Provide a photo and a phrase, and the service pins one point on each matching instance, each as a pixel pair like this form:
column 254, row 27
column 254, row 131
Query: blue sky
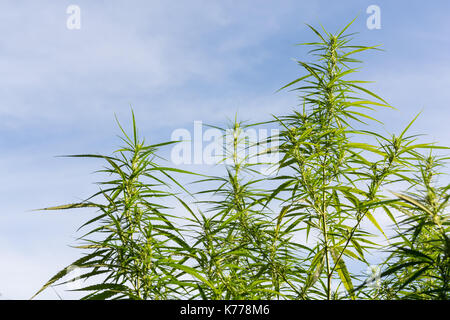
column 173, row 62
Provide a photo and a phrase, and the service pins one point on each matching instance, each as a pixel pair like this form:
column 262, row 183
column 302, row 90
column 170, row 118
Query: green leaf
column 413, row 202
column 375, row 223
column 193, row 273
column 78, row 263
column 343, row 273
column 414, row 276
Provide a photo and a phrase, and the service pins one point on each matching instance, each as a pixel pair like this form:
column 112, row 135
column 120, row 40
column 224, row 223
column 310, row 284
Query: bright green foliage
column 331, row 181
column 419, row 264
column 130, row 242
column 236, row 248
column 297, row 240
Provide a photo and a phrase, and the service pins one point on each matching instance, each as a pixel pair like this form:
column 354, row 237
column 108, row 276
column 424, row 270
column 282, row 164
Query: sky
column 173, row 62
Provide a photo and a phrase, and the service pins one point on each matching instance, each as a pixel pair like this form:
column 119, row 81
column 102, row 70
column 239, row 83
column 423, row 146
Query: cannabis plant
column 236, row 249
column 296, row 235
column 419, row 264
column 130, row 243
column 330, row 179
